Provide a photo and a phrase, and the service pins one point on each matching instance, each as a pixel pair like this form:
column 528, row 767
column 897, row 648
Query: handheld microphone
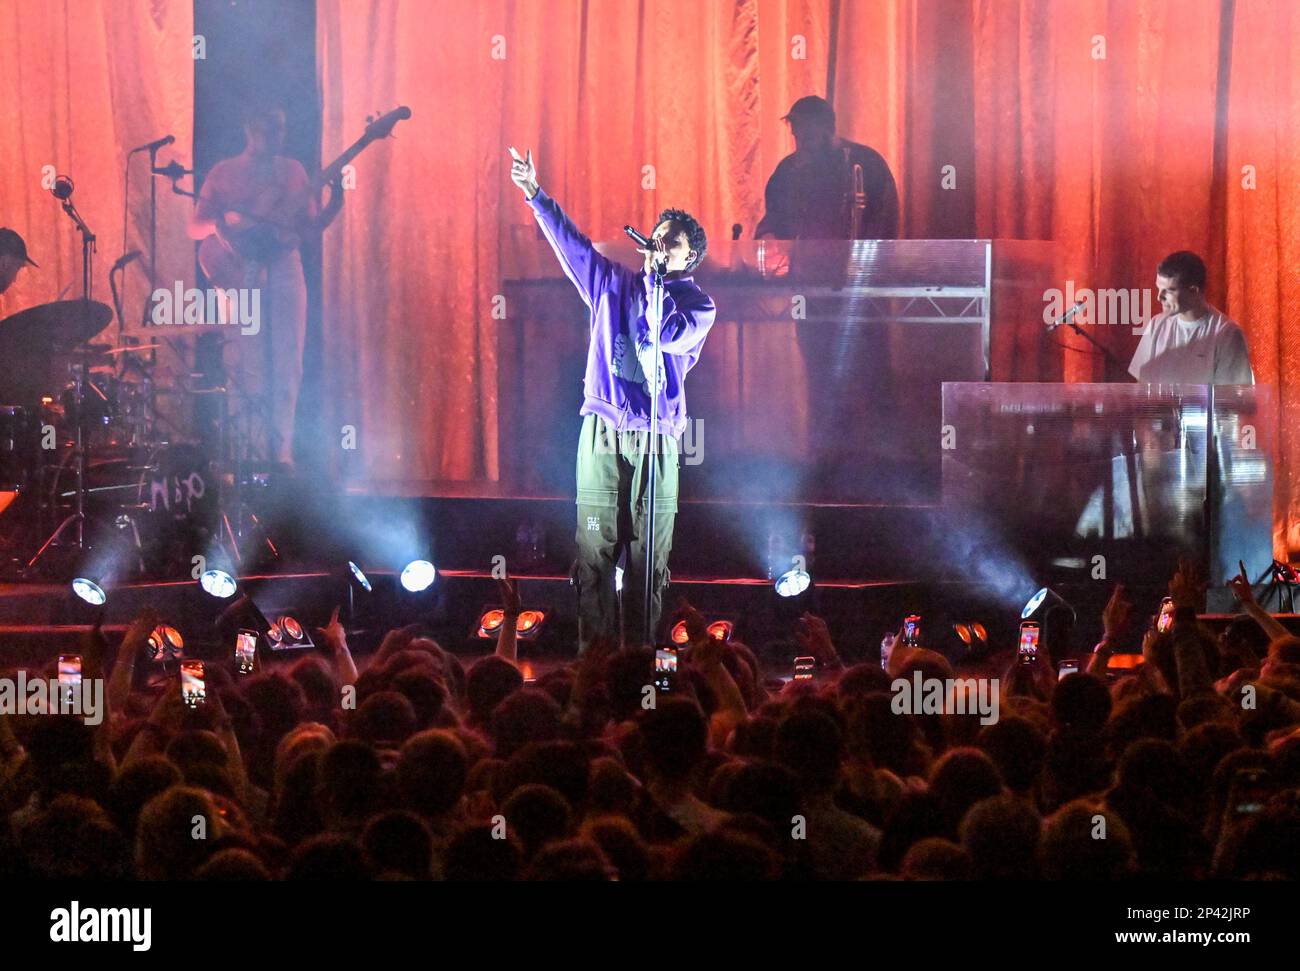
column 660, row 258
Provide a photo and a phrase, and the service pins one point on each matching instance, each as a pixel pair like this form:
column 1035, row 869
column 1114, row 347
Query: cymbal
column 127, row 349
column 64, row 323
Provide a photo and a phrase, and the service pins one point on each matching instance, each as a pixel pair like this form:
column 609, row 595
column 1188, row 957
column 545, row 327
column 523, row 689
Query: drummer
column 13, row 257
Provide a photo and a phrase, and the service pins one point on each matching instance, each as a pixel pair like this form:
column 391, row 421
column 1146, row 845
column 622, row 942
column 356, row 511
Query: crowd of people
column 414, row 766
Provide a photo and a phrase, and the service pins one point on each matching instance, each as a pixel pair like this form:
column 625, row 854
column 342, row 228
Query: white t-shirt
column 1211, row 350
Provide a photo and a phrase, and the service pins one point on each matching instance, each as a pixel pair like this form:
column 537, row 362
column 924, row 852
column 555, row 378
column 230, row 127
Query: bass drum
column 163, row 501
column 177, row 498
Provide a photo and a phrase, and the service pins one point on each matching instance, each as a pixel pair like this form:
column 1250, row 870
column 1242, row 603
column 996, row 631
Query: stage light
column 719, row 630
column 1042, row 602
column 418, row 575
column 974, row 637
column 165, row 641
column 218, row 583
column 490, row 622
column 359, row 575
column 528, row 625
column 793, row 582
column 89, row 591
column 1033, row 603
column 971, row 633
column 286, row 634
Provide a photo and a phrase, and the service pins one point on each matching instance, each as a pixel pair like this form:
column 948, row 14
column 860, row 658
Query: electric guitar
column 236, row 255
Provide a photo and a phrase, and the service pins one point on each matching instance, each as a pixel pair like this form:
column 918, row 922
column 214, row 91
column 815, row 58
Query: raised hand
column 523, row 172
column 696, row 629
column 1241, row 588
column 814, row 638
column 510, row 600
column 1115, row 615
column 1186, row 588
column 333, row 632
column 655, row 257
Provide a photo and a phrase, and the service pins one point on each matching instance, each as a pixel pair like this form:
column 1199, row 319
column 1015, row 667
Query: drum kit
column 89, row 466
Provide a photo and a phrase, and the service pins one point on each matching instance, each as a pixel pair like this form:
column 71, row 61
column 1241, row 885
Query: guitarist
column 260, row 204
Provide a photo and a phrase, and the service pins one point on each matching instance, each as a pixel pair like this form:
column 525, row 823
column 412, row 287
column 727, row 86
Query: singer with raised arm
column 614, row 447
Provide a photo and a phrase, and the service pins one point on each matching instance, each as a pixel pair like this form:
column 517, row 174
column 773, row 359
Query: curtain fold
column 83, row 82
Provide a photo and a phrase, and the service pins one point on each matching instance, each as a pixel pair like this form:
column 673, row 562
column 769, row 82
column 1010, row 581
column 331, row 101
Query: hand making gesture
column 523, row 173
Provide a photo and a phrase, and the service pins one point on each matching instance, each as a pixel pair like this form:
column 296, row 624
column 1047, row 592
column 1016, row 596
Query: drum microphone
column 62, row 189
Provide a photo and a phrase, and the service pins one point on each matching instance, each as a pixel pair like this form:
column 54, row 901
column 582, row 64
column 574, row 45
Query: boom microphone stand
column 63, row 192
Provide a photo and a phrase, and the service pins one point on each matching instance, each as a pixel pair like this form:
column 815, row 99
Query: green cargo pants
column 613, row 468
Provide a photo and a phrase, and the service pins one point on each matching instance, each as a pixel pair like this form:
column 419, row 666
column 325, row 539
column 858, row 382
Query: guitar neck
column 333, row 170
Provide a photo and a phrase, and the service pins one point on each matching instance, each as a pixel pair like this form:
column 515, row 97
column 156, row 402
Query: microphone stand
column 78, row 516
column 1113, row 365
column 655, row 314
column 175, row 173
column 153, row 233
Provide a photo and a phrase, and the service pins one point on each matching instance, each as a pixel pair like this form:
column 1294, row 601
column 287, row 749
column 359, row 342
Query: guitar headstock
column 382, row 126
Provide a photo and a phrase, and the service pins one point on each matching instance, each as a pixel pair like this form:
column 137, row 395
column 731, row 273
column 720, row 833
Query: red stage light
column 527, row 625
column 719, row 630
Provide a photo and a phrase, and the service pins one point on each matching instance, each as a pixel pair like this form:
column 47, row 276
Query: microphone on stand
column 124, row 260
column 1066, row 317
column 154, row 145
column 62, row 189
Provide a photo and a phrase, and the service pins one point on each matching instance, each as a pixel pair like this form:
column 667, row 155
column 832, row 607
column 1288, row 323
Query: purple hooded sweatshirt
column 620, row 350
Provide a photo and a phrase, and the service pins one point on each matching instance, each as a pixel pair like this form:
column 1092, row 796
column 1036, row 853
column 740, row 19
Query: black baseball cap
column 811, row 106
column 11, row 242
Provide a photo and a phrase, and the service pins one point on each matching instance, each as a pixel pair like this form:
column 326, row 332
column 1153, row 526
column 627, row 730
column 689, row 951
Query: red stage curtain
column 1122, row 158
column 82, row 83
